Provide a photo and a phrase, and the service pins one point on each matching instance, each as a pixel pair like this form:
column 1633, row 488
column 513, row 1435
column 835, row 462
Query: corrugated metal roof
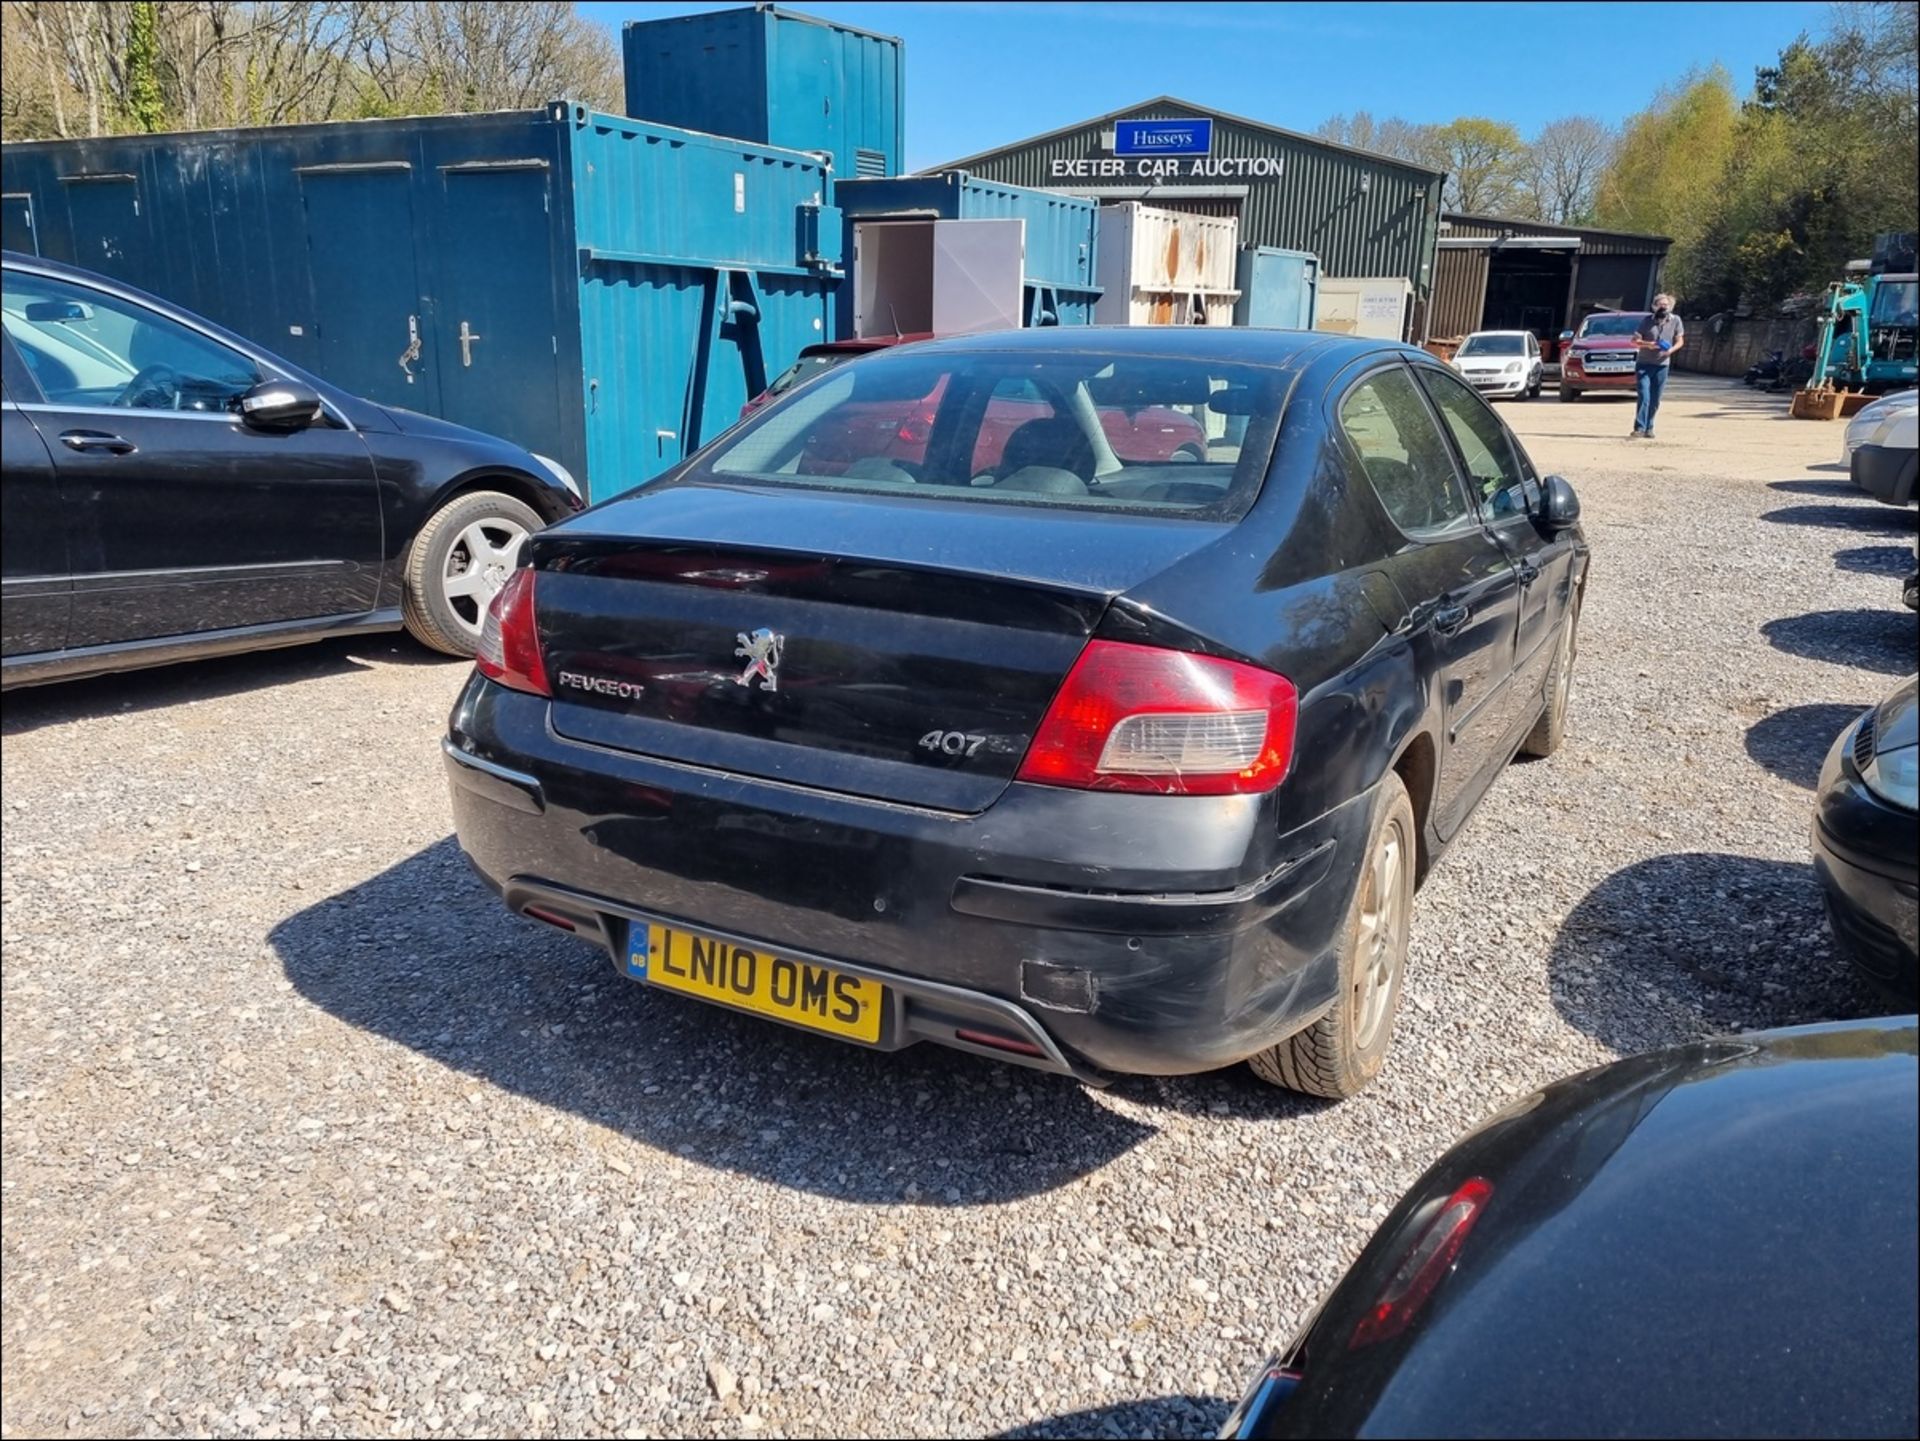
column 1459, row 225
column 1362, row 214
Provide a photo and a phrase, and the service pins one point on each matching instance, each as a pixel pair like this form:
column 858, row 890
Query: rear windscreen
column 1085, row 430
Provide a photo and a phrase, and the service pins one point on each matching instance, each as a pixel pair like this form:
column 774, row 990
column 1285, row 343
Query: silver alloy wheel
column 478, row 563
column 1376, row 948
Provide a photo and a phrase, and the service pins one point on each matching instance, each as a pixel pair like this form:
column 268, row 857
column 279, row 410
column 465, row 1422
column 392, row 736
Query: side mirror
column 1566, row 335
column 1559, row 506
column 280, row 405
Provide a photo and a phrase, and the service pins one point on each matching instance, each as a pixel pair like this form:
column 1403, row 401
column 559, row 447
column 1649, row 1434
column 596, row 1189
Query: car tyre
column 1567, row 392
column 459, row 560
column 1550, row 731
column 1533, row 391
column 1339, row 1054
column 1189, row 455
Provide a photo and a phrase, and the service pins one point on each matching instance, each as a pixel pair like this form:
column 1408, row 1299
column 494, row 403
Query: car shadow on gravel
column 1891, row 560
column 425, row 955
column 1678, row 946
column 1161, row 1416
column 129, row 692
column 1878, row 640
column 1793, row 743
column 1867, row 514
column 1835, row 489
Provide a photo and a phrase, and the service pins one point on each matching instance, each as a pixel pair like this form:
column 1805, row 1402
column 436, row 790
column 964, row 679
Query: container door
column 365, row 329
column 495, row 317
column 16, row 225
column 978, row 273
column 109, row 231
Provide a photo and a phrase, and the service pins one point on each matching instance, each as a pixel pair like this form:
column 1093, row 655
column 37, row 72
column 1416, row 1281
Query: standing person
column 1658, row 339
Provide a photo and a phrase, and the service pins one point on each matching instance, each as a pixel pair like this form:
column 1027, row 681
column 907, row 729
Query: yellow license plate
column 798, row 991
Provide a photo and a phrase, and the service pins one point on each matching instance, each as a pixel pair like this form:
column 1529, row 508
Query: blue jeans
column 1649, row 381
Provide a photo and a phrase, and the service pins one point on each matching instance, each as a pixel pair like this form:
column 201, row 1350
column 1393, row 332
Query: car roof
column 1499, row 332
column 1241, row 345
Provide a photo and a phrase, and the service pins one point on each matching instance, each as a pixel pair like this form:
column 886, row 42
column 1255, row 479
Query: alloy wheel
column 1377, row 948
column 479, row 562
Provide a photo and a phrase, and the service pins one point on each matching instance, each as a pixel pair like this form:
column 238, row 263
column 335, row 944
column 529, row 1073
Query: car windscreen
column 1083, row 429
column 1625, row 324
column 805, row 368
column 1494, row 345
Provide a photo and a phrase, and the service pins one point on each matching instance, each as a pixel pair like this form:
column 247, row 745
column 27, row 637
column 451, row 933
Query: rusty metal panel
column 1459, row 291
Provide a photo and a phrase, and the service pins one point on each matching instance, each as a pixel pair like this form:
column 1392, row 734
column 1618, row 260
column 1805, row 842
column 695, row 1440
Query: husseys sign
column 1165, row 150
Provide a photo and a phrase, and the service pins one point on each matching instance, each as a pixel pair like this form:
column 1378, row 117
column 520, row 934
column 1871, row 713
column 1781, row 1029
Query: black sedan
column 879, row 723
column 172, row 490
column 1714, row 1240
column 1866, row 842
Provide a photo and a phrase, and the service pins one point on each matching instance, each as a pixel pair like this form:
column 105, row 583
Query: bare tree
column 266, row 62
column 1561, row 169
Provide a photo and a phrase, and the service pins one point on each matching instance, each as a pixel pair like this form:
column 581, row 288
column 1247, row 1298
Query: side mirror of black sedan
column 1559, row 506
column 280, row 405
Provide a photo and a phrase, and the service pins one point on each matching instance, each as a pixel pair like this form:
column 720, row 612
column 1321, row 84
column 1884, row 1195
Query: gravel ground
column 304, row 1135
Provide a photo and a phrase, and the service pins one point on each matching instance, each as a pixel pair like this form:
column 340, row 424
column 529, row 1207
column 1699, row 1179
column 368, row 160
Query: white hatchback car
column 1501, row 362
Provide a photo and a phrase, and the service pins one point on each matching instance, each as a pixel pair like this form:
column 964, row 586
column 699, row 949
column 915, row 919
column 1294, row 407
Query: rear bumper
column 1868, row 861
column 1110, row 933
column 1884, row 472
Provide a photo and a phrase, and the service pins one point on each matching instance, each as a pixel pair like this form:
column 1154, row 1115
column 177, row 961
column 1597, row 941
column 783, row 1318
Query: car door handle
column 92, row 440
column 1529, row 572
column 1449, row 618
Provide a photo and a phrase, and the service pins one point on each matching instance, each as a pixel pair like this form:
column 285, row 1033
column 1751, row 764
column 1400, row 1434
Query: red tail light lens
column 1429, row 1258
column 1139, row 718
column 509, row 640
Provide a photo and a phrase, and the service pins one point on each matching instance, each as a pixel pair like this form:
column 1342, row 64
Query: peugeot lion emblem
column 762, row 650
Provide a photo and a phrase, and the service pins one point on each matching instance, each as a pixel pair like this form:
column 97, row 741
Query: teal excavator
column 1868, row 325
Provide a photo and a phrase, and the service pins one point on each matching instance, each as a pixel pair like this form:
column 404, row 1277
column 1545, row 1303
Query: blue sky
column 984, row 74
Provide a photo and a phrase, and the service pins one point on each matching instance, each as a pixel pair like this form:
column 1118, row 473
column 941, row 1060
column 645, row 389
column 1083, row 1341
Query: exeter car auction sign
column 1165, row 150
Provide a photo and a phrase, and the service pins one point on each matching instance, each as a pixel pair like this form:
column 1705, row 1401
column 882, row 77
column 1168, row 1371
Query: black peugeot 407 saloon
column 886, row 720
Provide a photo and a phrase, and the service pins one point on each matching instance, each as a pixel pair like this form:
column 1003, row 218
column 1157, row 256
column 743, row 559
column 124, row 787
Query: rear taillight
column 1138, row 718
column 915, row 429
column 1429, row 1258
column 509, row 640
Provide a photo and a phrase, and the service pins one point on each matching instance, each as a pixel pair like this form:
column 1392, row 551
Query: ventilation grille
column 869, row 164
column 1863, row 743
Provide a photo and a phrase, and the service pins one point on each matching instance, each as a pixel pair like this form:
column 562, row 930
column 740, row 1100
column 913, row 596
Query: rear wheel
column 1567, row 392
column 1189, row 455
column 1342, row 1051
column 1550, row 731
column 459, row 561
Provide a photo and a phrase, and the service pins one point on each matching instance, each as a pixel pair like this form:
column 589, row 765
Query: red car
column 1149, row 434
column 1600, row 355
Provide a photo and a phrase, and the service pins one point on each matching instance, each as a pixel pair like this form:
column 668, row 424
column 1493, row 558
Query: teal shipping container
column 1061, row 234
column 1278, row 288
column 597, row 289
column 773, row 76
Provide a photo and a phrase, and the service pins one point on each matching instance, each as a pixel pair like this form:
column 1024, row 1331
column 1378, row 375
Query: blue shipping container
column 773, row 76
column 603, row 291
column 1062, row 231
column 1278, row 288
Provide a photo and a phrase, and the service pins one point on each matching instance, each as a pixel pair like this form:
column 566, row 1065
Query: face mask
column 1661, row 312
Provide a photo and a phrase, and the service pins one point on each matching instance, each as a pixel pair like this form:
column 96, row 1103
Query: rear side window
column 1402, row 453
column 1501, row 487
column 1174, row 434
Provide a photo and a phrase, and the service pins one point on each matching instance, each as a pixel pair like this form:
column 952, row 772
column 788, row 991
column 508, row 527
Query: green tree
column 1485, row 161
column 146, row 106
column 1666, row 172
